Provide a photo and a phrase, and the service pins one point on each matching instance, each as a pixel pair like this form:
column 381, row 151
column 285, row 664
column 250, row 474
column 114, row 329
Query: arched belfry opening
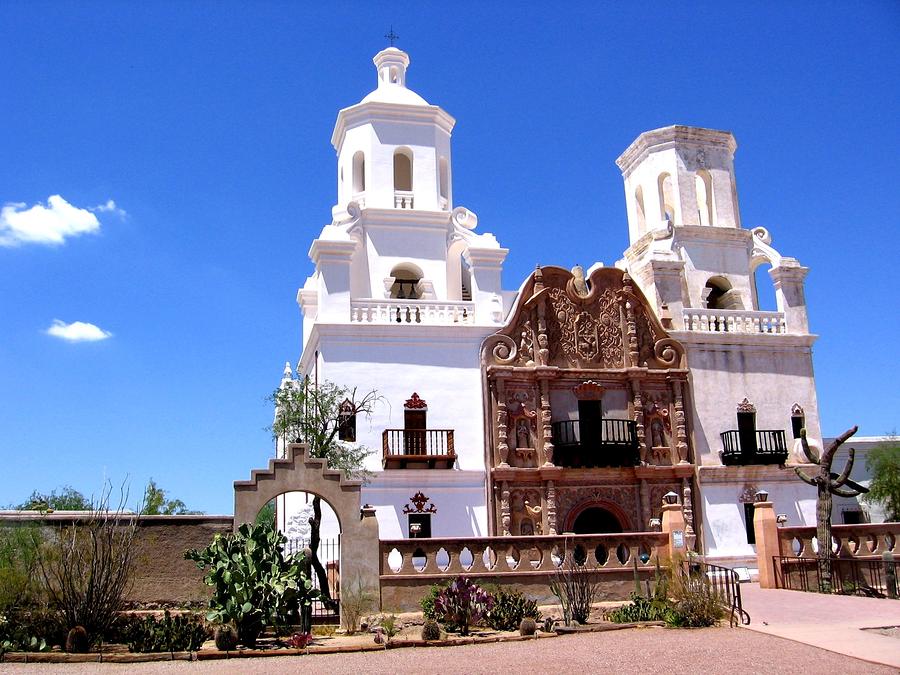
column 406, row 282
column 705, row 199
column 666, row 197
column 403, row 166
column 359, row 172
column 718, row 294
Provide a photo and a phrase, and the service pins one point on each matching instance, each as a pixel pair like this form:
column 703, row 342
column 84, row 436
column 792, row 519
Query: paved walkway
column 832, row 622
column 643, row 651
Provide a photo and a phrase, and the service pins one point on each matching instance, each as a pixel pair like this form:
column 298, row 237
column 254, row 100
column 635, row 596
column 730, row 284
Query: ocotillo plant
column 828, row 483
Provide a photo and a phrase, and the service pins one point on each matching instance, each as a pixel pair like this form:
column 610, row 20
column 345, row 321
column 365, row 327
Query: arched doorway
column 309, row 523
column 596, row 520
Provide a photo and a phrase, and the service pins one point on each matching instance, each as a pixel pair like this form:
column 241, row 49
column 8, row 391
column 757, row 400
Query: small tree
column 827, row 484
column 312, row 414
column 65, row 498
column 883, row 463
column 156, row 503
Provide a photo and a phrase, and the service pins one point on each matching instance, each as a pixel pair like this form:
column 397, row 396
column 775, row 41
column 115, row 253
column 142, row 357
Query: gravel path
column 730, row 651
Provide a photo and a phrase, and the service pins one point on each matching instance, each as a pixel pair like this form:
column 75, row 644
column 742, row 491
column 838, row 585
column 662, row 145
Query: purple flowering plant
column 462, row 603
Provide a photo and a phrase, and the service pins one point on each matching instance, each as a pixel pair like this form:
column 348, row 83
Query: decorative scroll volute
column 565, row 320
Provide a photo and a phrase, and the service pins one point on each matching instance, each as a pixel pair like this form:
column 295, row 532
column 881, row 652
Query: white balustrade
column 403, row 199
column 423, row 312
column 734, row 321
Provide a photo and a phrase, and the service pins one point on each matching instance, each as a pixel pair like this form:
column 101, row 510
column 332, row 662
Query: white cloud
column 110, row 207
column 77, row 331
column 49, row 224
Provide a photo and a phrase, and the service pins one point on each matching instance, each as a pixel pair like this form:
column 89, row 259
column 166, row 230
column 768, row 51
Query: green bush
column 427, row 602
column 254, row 585
column 19, row 549
column 15, row 637
column 510, row 607
column 186, row 632
column 641, row 609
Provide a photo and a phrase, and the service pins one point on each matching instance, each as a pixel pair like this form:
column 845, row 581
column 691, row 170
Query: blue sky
column 208, row 126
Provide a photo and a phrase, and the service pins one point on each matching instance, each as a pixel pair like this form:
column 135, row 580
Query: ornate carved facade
column 587, row 407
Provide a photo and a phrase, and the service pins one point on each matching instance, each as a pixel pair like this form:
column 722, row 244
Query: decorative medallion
column 701, row 158
column 746, row 407
column 418, row 505
column 748, row 494
column 415, row 403
column 588, row 391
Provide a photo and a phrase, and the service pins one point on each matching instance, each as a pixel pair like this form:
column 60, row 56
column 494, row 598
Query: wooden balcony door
column 414, row 426
column 590, row 423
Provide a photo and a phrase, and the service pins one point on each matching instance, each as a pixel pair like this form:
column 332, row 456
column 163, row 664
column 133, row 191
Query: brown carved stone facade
column 589, row 403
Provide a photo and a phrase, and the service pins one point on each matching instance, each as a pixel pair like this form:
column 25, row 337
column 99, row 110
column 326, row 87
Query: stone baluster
column 687, row 499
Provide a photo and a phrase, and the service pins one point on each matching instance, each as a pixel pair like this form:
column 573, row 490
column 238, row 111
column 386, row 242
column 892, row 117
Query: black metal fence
column 329, row 554
column 724, row 584
column 868, row 577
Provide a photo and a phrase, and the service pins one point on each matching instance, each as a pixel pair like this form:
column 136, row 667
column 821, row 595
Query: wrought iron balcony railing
column 606, row 442
column 418, row 449
column 770, row 447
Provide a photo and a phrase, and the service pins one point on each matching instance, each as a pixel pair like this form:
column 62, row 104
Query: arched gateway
column 297, row 472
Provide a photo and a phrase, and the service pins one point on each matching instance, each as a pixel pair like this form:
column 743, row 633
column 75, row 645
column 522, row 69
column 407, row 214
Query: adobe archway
column 297, row 472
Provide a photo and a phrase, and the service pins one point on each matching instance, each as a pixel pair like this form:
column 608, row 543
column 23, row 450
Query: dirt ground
column 729, row 651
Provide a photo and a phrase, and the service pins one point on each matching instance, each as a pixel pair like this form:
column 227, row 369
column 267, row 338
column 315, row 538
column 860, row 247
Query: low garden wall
column 161, row 576
column 410, row 566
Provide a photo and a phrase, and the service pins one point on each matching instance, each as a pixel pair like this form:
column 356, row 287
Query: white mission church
column 575, row 402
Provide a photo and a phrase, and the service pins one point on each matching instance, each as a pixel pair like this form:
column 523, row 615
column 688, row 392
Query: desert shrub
column 510, row 607
column 356, row 601
column 19, row 584
column 575, row 586
column 431, row 630
column 85, row 567
column 694, row 604
column 462, row 603
column 640, row 609
column 185, row 632
column 253, row 584
column 390, row 625
column 528, row 626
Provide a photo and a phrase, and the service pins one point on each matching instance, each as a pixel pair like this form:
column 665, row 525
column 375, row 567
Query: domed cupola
column 393, row 146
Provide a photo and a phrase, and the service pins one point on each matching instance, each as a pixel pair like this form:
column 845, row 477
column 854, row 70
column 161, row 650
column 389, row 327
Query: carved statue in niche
column 657, row 435
column 526, row 527
column 523, row 433
column 656, row 414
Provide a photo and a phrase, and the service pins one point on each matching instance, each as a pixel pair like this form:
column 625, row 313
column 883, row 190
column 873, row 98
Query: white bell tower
column 393, row 147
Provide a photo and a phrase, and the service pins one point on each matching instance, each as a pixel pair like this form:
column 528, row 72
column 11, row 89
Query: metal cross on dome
column 392, row 36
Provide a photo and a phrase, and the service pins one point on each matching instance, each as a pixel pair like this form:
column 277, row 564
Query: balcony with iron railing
column 418, row 449
column 601, row 443
column 763, row 447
